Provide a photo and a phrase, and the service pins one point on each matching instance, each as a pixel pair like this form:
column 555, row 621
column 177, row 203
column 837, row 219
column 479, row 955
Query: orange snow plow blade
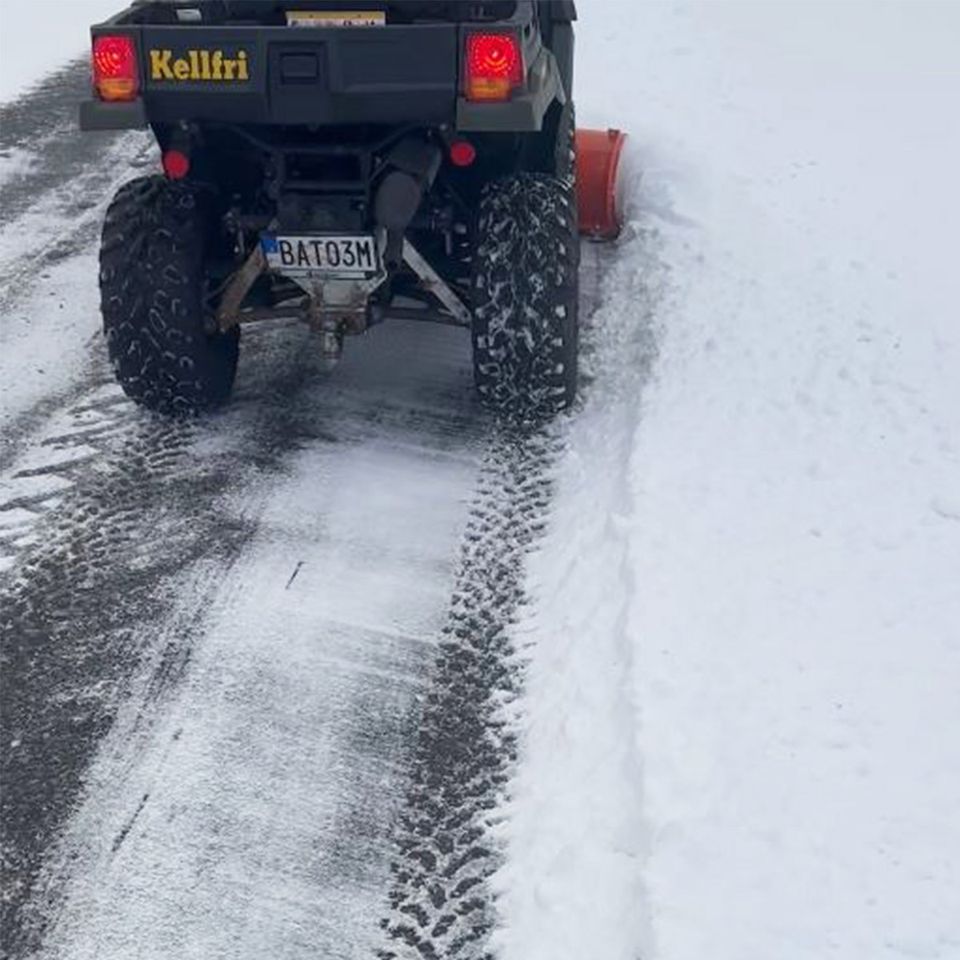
column 598, row 190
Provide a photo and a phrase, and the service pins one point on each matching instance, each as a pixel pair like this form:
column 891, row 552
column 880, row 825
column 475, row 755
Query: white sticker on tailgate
column 336, row 18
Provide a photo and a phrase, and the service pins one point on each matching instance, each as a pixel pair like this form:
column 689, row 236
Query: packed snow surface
column 741, row 740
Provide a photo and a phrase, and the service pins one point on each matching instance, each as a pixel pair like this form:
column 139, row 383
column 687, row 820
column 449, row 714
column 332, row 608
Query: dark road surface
column 253, row 667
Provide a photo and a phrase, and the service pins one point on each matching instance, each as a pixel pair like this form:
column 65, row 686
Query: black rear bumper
column 97, row 115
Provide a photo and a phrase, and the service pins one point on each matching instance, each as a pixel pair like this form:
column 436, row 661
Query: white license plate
column 333, row 256
column 336, row 18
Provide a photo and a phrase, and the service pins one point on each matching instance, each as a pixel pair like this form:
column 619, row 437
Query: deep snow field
column 740, row 731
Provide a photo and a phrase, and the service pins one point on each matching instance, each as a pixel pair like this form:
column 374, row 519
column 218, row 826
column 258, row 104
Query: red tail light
column 115, row 74
column 494, row 66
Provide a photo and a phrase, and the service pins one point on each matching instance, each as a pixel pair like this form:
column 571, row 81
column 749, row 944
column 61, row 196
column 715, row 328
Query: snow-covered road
column 254, row 666
column 222, row 634
column 259, row 806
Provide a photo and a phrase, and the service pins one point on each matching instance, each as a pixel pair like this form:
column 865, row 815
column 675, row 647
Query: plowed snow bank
column 741, row 733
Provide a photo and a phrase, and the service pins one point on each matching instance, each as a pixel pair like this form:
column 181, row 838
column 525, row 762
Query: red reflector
column 176, row 164
column 462, row 153
column 115, row 68
column 494, row 66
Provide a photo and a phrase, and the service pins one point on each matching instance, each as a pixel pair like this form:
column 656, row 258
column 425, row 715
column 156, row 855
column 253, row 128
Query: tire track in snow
column 65, row 220
column 445, row 848
column 448, row 844
column 54, row 184
column 54, row 178
column 97, row 543
column 41, row 141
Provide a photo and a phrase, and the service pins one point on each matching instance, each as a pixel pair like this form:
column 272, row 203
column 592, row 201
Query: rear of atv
column 343, row 167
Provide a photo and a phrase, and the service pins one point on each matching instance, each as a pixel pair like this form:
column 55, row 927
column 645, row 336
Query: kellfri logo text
column 209, row 65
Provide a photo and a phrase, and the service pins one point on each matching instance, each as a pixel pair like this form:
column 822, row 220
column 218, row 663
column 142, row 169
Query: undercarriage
column 342, row 235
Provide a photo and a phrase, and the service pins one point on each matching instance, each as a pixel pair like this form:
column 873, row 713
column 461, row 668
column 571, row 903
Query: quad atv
column 346, row 163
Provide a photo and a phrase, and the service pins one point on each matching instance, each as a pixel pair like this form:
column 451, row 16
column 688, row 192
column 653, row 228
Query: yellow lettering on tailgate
column 160, row 64
column 199, row 65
